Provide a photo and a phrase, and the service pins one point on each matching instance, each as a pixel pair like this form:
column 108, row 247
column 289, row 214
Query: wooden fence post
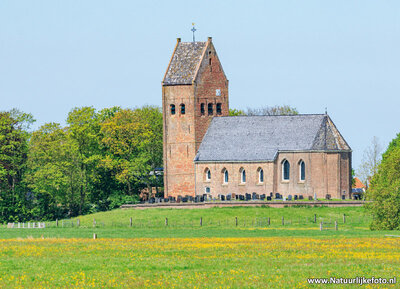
column 336, row 226
column 201, row 221
column 315, row 218
column 94, row 222
column 269, row 221
column 236, row 221
column 94, row 236
column 320, row 226
column 344, row 218
column 78, row 222
column 56, row 222
column 283, row 221
column 166, row 222
column 130, row 222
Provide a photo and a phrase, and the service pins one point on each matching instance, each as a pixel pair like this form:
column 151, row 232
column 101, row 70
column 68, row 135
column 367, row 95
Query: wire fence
column 324, row 222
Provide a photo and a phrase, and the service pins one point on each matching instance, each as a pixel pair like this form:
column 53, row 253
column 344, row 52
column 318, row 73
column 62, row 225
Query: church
column 206, row 151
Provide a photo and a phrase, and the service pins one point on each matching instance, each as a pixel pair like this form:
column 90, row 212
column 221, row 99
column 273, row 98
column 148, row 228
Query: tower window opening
column 202, row 109
column 172, row 108
column 219, row 108
column 210, row 109
column 182, row 108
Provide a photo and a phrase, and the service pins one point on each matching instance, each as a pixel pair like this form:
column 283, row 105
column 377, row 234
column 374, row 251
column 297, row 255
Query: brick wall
column 183, row 133
column 326, row 173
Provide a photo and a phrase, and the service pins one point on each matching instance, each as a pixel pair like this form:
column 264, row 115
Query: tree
column 371, row 159
column 236, row 112
column 14, row 137
column 267, row 110
column 133, row 139
column 272, row 110
column 384, row 190
column 54, row 172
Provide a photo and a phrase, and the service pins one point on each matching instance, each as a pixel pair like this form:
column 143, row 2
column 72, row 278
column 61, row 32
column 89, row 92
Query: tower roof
column 261, row 138
column 184, row 63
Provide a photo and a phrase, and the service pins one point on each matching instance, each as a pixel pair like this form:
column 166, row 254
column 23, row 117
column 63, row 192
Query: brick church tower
column 194, row 90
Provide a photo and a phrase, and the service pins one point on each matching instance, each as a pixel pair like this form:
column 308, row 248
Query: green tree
column 54, row 172
column 267, row 110
column 134, row 141
column 236, row 112
column 384, row 190
column 14, row 137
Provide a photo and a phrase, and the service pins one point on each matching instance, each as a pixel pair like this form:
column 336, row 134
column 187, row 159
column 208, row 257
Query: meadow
column 184, row 254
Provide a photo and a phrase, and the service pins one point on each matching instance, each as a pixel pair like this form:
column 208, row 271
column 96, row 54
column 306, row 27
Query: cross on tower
column 193, row 30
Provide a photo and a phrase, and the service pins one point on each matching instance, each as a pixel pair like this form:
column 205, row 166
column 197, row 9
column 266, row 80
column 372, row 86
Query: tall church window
column 242, row 175
column 285, row 170
column 225, row 176
column 260, row 175
column 210, row 109
column 202, row 109
column 219, row 108
column 183, row 109
column 302, row 169
column 208, row 174
column 172, row 106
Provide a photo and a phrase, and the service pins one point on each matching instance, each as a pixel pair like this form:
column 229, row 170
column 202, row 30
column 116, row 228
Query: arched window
column 207, row 174
column 210, row 109
column 172, row 106
column 242, row 175
column 225, row 176
column 202, row 109
column 183, row 109
column 285, row 170
column 219, row 108
column 260, row 175
column 302, row 170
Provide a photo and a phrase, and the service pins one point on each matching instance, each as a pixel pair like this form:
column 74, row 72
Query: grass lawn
column 184, row 254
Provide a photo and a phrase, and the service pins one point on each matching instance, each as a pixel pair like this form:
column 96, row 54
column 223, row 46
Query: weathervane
column 193, row 30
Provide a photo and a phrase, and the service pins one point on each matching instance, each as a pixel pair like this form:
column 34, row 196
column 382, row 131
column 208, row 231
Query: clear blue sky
column 344, row 55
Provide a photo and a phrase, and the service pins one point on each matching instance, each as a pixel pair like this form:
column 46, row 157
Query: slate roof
column 184, row 62
column 260, row 138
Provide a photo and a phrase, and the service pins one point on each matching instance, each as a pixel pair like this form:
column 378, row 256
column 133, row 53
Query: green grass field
column 184, row 254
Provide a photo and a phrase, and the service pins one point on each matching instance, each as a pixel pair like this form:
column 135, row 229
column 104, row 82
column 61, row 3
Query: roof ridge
column 286, row 115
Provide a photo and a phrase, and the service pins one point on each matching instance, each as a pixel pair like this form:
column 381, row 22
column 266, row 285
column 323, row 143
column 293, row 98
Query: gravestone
column 253, row 196
column 289, row 197
column 262, row 197
column 295, row 197
column 241, row 197
column 328, row 196
column 310, row 198
column 269, row 198
column 248, row 197
column 222, row 198
column 234, row 196
column 184, row 200
column 228, row 197
column 301, row 197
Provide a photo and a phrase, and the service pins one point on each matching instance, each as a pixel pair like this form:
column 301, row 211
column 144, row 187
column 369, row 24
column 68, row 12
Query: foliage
column 236, row 112
column 97, row 162
column 384, row 191
column 267, row 110
column 13, row 155
column 133, row 139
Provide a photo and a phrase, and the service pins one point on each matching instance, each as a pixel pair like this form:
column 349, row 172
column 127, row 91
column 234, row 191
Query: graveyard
column 233, row 247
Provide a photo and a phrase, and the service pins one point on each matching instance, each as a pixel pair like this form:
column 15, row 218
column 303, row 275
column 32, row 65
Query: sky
column 341, row 55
